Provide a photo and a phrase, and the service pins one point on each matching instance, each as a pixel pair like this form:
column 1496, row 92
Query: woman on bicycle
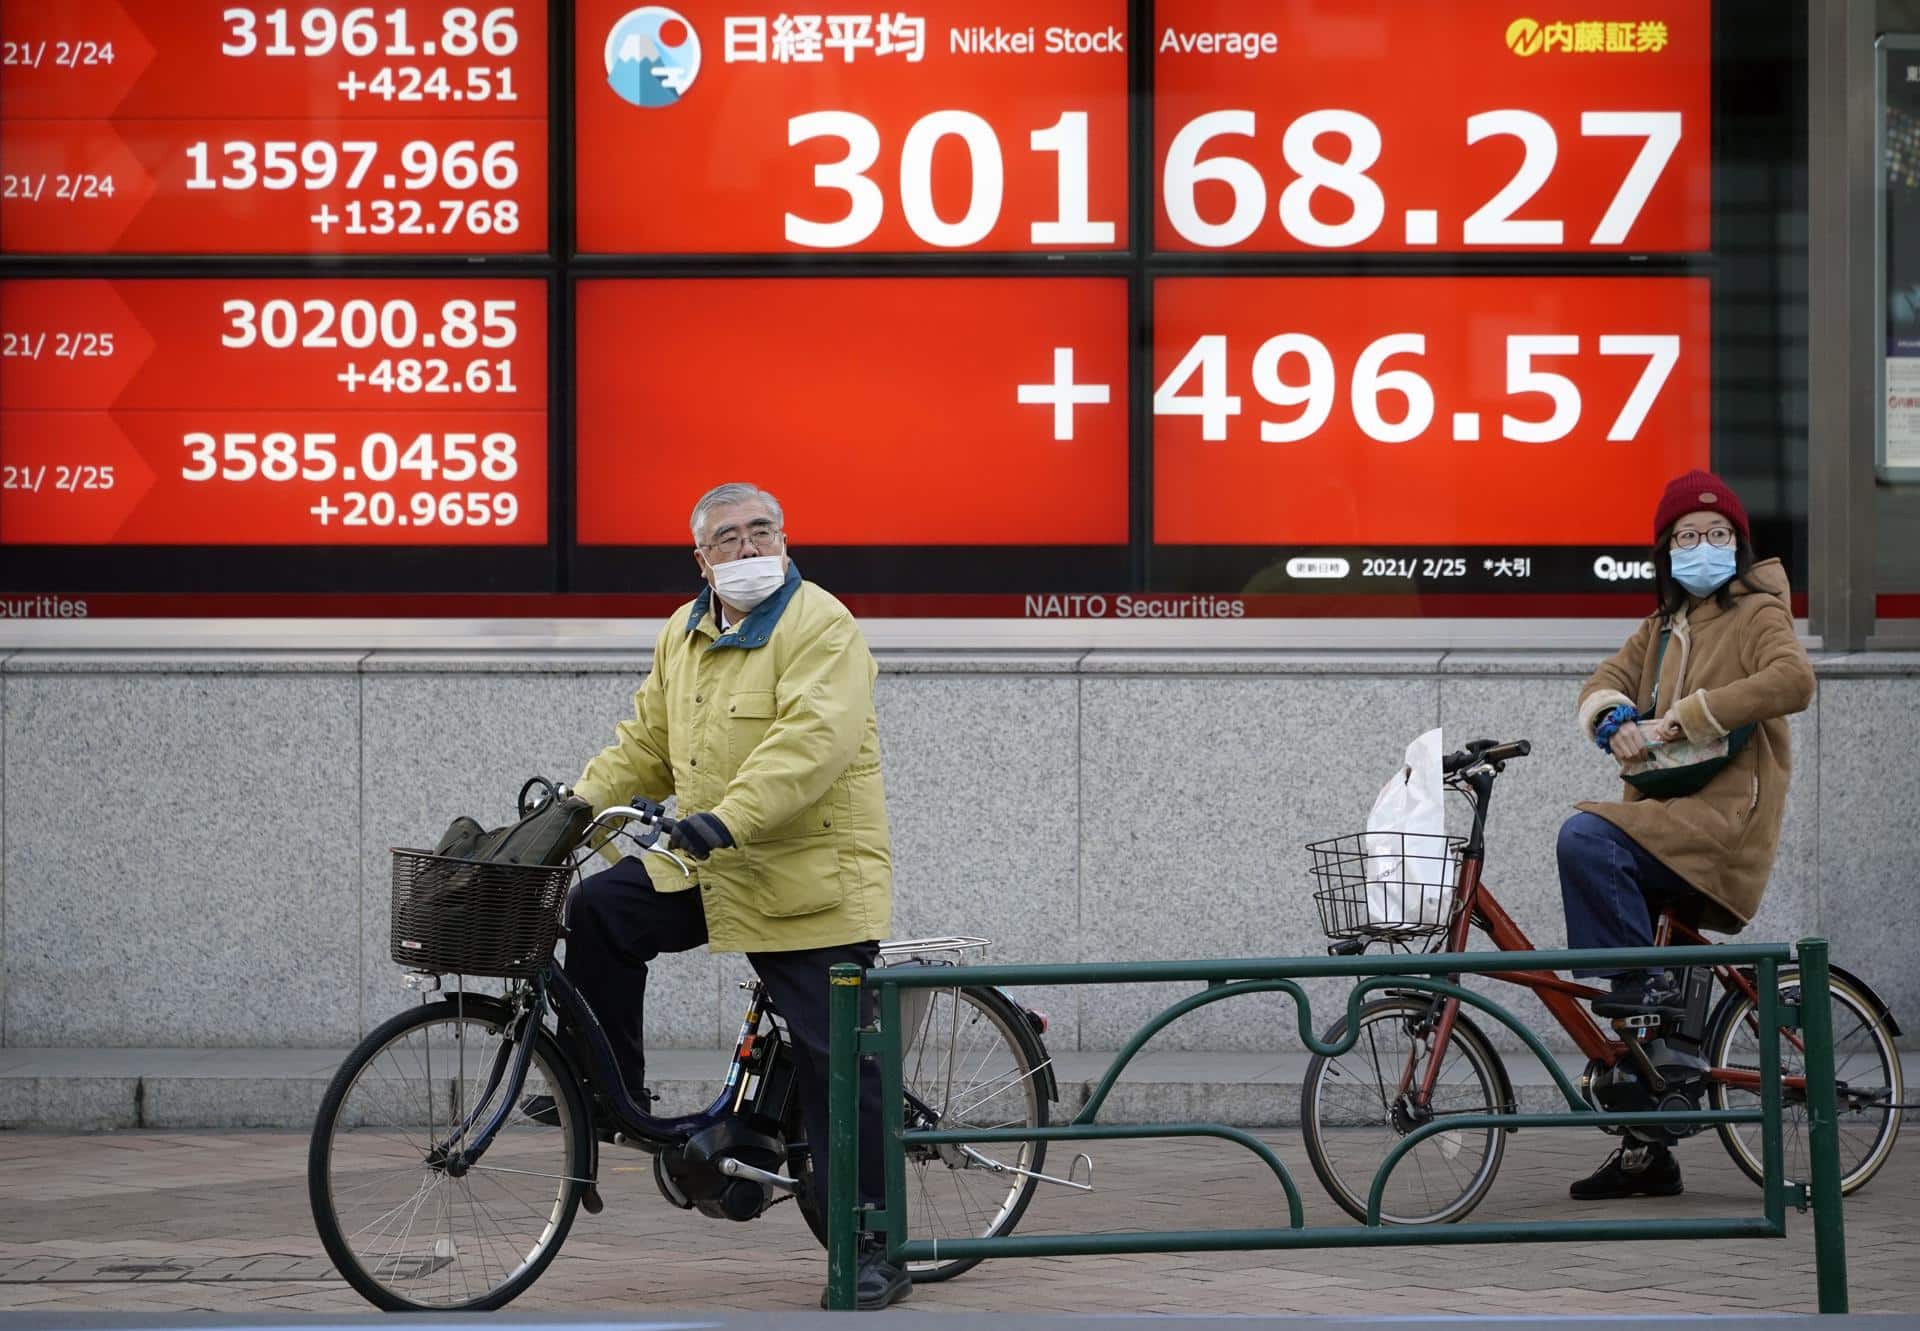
column 1717, row 660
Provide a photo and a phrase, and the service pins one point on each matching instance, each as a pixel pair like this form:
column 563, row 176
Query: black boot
column 1633, row 1170
column 877, row 1282
column 1638, row 993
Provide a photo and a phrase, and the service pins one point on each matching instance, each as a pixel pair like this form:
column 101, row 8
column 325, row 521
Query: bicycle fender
column 1027, row 1031
column 1509, row 1103
column 1792, row 969
column 590, row 1197
column 1872, row 995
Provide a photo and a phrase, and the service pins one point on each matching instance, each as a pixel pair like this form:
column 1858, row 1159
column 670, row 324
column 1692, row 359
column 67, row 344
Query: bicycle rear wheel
column 1354, row 1110
column 971, row 1060
column 407, row 1232
column 1865, row 1064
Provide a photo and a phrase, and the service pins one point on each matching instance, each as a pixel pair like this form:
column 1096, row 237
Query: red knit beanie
column 1695, row 491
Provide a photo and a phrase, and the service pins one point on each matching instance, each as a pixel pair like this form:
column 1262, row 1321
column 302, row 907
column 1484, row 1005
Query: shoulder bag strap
column 1660, row 658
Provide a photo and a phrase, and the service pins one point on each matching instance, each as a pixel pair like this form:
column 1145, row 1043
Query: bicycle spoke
column 490, row 1244
column 426, row 1185
column 1006, row 1082
column 429, row 1188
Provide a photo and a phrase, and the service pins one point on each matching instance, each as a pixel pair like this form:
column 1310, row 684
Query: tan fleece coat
column 1723, row 669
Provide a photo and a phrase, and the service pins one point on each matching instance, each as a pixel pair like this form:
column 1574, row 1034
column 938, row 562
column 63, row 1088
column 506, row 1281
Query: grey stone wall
column 193, row 847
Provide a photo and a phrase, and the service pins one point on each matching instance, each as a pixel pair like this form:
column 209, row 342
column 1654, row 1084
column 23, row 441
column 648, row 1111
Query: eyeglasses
column 1686, row 538
column 764, row 537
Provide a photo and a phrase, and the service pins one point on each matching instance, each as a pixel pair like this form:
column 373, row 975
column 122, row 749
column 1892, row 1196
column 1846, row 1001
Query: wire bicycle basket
column 1393, row 885
column 474, row 917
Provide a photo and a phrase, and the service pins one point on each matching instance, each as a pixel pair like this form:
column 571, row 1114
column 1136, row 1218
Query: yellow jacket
column 771, row 728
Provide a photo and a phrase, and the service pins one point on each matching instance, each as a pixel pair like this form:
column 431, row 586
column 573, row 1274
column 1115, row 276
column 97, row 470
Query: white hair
column 733, row 492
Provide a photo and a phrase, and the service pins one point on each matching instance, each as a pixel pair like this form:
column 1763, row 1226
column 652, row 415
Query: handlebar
column 1488, row 752
column 654, row 831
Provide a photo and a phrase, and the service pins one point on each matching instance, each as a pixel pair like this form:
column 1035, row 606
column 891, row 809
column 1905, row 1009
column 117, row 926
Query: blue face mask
column 1702, row 569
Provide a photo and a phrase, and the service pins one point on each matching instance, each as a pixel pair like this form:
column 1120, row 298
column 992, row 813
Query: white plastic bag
column 1409, row 878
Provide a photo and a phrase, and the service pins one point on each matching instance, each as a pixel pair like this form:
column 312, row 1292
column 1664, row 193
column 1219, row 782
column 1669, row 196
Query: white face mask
column 748, row 582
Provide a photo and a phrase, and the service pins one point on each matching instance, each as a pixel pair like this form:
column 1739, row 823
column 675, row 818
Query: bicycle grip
column 1484, row 751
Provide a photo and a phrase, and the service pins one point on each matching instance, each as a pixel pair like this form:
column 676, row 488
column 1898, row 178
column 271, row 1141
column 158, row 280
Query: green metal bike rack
column 883, row 1041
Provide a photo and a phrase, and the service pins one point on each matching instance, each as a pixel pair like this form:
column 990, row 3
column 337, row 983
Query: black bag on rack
column 487, row 901
column 549, row 829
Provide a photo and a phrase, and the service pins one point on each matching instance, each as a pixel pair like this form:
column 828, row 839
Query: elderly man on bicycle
column 758, row 715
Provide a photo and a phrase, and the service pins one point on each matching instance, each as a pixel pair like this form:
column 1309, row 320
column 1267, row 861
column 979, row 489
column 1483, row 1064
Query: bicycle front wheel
column 410, row 1233
column 1865, row 1064
column 971, row 1061
column 1355, row 1108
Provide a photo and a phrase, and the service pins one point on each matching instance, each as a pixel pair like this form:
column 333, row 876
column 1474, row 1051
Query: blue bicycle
column 455, row 1146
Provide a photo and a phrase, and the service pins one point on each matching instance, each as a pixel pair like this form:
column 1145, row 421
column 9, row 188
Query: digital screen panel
column 273, row 412
column 1293, row 126
column 940, row 276
column 742, row 127
column 149, row 127
column 892, row 416
column 1468, row 433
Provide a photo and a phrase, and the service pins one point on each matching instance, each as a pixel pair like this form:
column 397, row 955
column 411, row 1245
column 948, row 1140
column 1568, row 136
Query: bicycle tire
column 1027, row 1070
column 1864, row 1058
column 367, row 1129
column 1346, row 1166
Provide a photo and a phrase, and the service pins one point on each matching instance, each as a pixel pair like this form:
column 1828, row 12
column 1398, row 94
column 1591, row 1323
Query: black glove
column 699, row 834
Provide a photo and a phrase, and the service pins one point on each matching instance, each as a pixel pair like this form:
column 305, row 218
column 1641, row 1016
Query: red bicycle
column 1419, row 1057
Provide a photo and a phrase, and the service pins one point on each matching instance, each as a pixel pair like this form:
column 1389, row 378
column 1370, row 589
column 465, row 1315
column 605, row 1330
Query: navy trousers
column 1611, row 886
column 618, row 923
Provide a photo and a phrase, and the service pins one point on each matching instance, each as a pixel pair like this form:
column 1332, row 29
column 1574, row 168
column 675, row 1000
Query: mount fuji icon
column 645, row 74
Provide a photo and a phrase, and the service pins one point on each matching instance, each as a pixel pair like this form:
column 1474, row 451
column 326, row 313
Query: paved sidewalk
column 87, row 1089
column 63, row 1090
column 218, row 1221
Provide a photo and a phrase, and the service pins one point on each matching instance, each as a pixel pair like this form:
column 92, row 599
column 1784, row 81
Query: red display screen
column 1288, row 125
column 324, row 127
column 1334, row 304
column 1424, row 411
column 310, row 412
column 740, row 127
column 902, row 412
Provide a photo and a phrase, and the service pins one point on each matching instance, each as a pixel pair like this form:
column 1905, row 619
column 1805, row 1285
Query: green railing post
column 1773, row 1172
column 893, row 1119
column 1823, row 1127
column 843, row 1130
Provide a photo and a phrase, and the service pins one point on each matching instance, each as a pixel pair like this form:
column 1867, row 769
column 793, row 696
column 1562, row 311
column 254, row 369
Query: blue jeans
column 1611, row 886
